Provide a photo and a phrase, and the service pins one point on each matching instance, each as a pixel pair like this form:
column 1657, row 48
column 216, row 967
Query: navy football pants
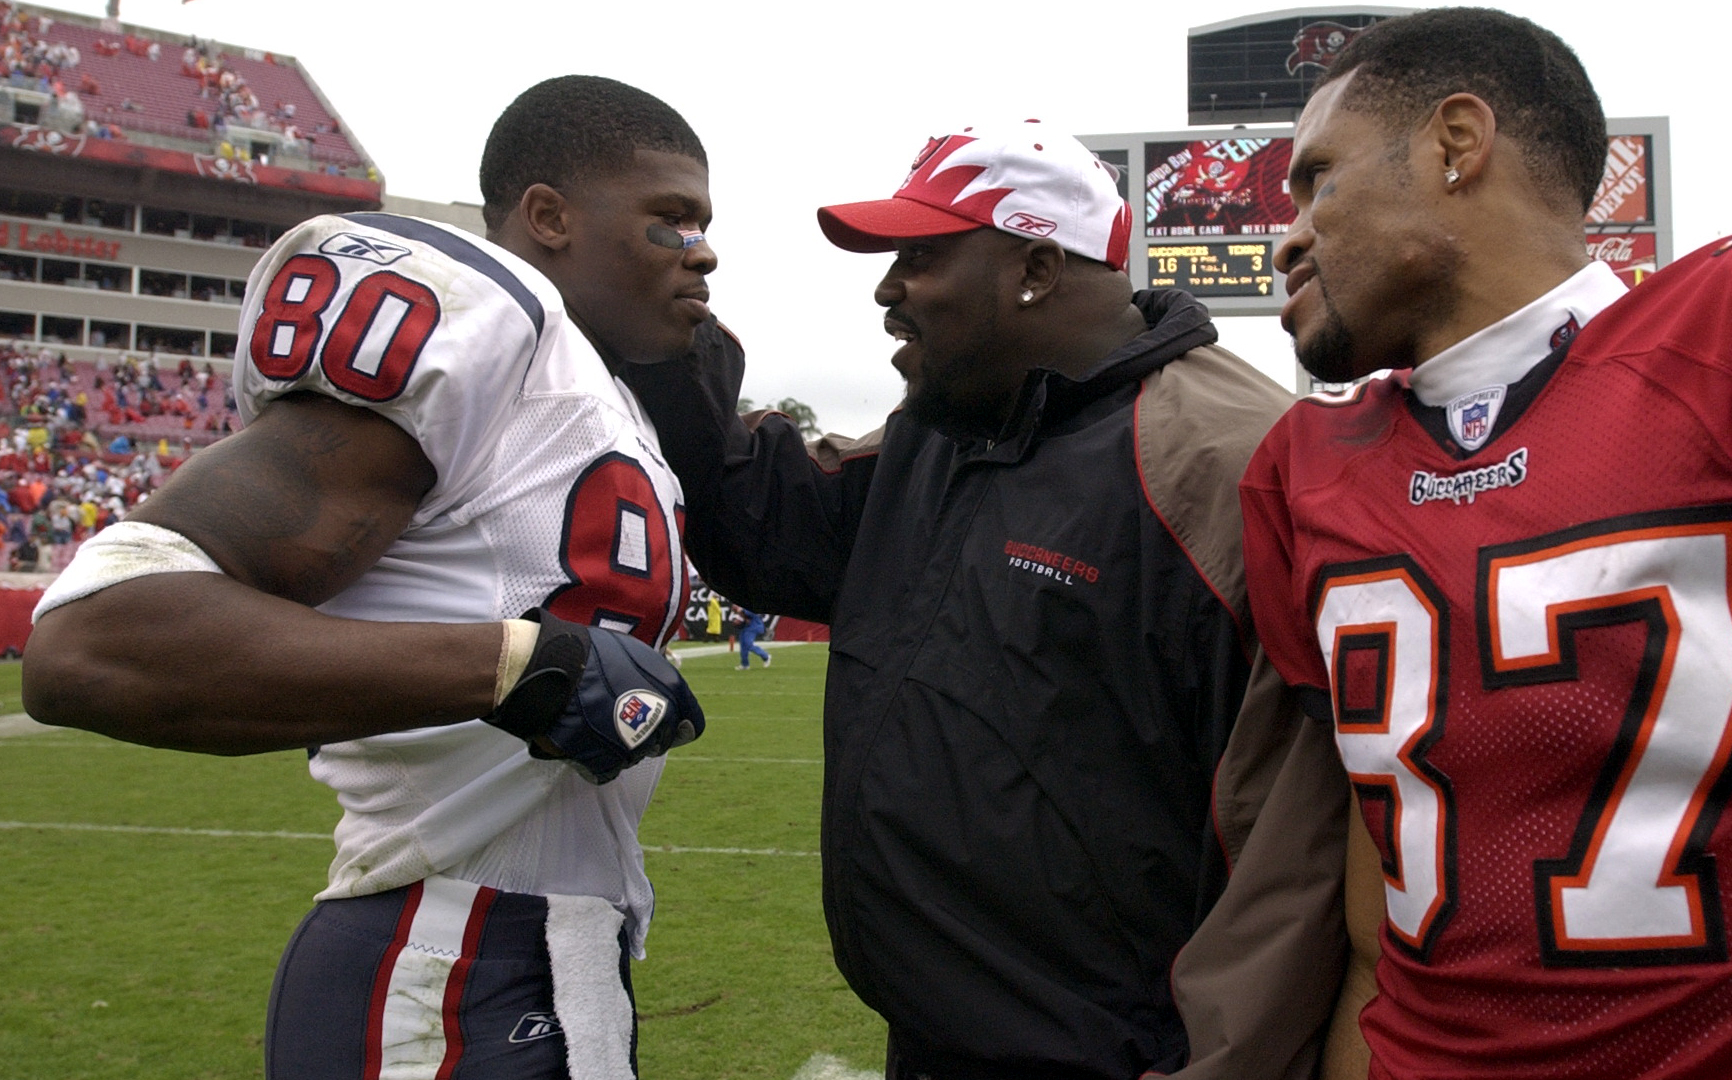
column 440, row 979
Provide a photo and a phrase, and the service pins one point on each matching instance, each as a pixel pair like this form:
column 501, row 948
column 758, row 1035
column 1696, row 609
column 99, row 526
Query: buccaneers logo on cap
column 938, row 180
column 932, row 144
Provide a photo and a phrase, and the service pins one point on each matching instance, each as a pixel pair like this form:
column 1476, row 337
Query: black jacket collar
column 1177, row 323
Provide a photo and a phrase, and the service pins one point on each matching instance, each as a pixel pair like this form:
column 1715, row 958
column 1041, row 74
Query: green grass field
column 137, row 941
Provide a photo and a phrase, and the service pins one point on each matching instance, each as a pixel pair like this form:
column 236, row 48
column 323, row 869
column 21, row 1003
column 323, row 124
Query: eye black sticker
column 677, row 239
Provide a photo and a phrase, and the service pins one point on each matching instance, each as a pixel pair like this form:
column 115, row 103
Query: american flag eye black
column 677, row 239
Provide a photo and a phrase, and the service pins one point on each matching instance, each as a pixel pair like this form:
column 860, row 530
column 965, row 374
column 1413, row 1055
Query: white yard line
column 21, row 724
column 674, row 759
column 164, row 830
column 719, row 647
column 283, row 834
column 830, row 1067
column 674, row 849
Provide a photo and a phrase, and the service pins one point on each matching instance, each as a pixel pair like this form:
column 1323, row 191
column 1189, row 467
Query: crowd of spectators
column 31, row 60
column 54, row 497
column 233, row 102
column 34, row 62
column 134, row 391
column 71, row 461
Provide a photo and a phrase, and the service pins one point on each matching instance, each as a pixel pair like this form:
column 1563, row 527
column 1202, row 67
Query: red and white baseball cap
column 1025, row 180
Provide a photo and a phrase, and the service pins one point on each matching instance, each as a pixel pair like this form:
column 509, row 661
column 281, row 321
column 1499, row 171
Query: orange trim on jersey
column 1661, row 597
column 1639, row 746
column 1335, row 399
column 1405, row 755
column 1554, row 655
column 1385, row 630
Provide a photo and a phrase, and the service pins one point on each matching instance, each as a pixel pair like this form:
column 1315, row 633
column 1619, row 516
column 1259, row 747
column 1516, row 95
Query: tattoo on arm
column 300, row 503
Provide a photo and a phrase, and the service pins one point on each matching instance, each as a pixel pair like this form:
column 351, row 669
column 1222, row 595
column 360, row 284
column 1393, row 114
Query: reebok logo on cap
column 1028, row 223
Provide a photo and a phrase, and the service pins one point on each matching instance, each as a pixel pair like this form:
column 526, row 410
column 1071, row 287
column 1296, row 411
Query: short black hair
column 569, row 126
column 1533, row 82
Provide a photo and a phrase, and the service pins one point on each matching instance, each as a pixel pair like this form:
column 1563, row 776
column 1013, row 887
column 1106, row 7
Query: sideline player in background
column 436, row 442
column 1502, row 571
column 751, row 629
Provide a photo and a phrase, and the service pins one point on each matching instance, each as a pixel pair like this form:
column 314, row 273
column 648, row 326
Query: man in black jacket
column 1039, row 640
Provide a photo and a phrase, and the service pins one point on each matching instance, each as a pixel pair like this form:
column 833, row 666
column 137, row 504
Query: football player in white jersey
column 435, row 443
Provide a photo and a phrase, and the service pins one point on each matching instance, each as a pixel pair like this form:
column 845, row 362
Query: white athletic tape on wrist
column 121, row 552
column 514, row 656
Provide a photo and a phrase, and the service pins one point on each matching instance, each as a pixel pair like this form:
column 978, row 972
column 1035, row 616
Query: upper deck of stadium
column 127, row 96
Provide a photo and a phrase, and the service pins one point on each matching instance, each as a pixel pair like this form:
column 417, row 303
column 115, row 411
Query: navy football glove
column 598, row 700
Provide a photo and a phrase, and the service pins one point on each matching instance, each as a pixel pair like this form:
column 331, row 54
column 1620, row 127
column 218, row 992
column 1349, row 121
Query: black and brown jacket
column 1039, row 648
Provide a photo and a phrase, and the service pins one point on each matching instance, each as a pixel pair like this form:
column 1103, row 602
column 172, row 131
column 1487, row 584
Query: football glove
column 600, row 701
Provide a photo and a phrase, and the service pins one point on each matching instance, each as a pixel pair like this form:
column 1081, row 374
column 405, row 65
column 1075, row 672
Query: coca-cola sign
column 1631, row 255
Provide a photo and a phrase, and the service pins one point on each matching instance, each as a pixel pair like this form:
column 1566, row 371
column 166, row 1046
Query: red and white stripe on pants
column 412, row 1021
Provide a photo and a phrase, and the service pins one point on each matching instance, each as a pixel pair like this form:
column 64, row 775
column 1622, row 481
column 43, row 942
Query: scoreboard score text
column 1221, row 268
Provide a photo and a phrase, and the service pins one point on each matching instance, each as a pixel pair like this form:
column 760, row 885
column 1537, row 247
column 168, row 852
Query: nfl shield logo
column 1472, row 416
column 636, row 714
column 1475, row 422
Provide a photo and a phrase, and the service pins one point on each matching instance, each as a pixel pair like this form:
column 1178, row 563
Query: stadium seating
column 161, row 95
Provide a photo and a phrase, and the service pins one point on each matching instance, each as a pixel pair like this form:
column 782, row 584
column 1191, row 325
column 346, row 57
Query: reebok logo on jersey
column 372, row 250
column 535, row 1025
column 636, row 714
column 1430, row 487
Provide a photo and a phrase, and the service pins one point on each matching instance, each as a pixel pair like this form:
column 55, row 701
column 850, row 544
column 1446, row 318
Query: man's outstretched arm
column 770, row 521
column 293, row 509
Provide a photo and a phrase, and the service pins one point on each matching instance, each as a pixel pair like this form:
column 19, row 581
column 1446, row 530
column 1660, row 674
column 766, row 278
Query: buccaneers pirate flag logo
column 1317, row 43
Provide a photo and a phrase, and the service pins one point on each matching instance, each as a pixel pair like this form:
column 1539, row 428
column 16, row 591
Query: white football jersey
column 551, row 491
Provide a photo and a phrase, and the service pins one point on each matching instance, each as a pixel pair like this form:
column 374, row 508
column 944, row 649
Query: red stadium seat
column 163, row 98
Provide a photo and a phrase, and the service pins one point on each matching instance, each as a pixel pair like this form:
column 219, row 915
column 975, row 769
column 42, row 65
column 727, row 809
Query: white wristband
column 514, row 654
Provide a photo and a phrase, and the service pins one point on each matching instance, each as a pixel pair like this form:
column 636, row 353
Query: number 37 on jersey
column 1608, row 647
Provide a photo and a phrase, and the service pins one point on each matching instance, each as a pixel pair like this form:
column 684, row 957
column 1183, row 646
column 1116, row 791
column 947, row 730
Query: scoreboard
column 1211, row 207
column 1218, row 268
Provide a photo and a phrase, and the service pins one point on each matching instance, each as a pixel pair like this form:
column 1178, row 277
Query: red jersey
column 1527, row 654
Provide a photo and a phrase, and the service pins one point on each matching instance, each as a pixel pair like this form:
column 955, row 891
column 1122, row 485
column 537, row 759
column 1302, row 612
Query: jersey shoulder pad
column 426, row 325
column 1681, row 307
column 1359, row 413
column 1325, row 434
column 371, row 308
column 387, row 239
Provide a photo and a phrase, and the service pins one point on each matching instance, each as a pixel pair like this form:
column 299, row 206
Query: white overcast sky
column 801, row 104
